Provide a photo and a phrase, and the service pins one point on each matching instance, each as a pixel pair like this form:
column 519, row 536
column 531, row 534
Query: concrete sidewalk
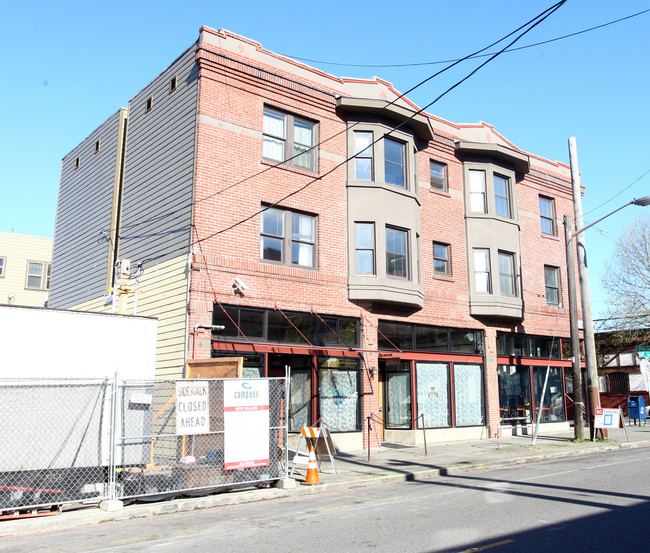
column 392, row 463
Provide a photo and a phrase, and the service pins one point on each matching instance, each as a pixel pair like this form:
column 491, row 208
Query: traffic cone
column 312, row 467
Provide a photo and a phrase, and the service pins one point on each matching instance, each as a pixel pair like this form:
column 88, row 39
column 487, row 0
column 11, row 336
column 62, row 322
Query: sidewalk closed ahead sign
column 246, row 424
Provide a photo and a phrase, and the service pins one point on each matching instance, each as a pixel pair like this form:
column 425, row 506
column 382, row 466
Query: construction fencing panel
column 197, row 436
column 54, row 442
column 69, row 441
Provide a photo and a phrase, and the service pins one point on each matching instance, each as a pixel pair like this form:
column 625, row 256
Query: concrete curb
column 93, row 515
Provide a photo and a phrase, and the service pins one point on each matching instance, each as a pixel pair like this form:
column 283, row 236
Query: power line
column 420, row 64
column 532, row 24
column 527, row 27
column 618, row 194
column 378, row 111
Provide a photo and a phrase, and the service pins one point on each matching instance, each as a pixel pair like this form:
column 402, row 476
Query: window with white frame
column 477, row 192
column 288, row 237
column 438, row 175
column 382, row 159
column 289, row 138
column 394, row 162
column 552, row 285
column 363, row 160
column 482, row 271
column 441, row 259
column 38, row 275
column 547, row 215
column 507, row 282
column 397, row 264
column 3, row 264
column 365, row 248
column 502, row 196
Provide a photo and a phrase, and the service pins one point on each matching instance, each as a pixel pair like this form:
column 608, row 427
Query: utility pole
column 593, row 391
column 578, row 401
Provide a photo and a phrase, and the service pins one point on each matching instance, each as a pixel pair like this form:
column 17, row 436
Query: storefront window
column 463, row 341
column 514, row 394
column 395, row 335
column 432, row 381
column 291, row 327
column 468, row 395
column 409, row 337
column 524, row 345
column 338, row 393
column 553, row 405
column 298, row 331
column 431, row 338
column 398, row 395
column 300, row 387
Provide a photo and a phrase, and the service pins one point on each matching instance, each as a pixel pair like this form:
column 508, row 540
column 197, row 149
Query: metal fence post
column 287, row 375
column 112, row 467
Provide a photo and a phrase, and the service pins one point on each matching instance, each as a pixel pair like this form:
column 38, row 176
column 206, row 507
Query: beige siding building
column 25, row 269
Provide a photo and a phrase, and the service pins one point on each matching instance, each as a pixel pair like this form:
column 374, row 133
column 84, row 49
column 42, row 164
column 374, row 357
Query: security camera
column 240, row 284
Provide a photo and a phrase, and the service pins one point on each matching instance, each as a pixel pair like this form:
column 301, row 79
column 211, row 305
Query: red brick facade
column 232, row 182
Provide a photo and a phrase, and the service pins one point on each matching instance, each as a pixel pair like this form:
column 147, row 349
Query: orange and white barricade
column 318, row 438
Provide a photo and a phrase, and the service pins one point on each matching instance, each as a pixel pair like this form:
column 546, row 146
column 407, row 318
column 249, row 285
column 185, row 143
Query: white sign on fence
column 192, row 407
column 246, row 423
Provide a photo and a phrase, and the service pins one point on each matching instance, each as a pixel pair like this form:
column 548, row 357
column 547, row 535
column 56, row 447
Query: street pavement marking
column 260, row 519
column 137, row 539
column 334, row 508
column 372, row 500
column 489, row 546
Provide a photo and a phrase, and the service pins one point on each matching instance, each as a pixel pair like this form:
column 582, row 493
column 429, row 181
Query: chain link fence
column 70, row 441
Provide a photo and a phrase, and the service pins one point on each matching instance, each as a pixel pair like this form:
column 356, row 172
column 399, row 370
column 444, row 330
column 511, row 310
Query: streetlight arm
column 640, row 201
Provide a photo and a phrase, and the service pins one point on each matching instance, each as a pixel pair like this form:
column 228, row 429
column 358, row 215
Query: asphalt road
column 592, row 504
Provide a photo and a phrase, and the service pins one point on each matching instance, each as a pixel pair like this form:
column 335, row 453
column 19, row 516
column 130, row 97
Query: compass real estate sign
column 246, row 424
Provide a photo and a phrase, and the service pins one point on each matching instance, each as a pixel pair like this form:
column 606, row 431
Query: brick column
column 492, row 382
column 370, row 383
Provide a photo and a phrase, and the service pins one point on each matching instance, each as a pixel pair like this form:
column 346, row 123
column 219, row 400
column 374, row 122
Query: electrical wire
column 345, row 130
column 458, row 83
column 525, row 28
column 618, row 194
column 420, row 64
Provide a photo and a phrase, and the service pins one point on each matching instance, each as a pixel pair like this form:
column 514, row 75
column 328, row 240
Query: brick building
column 404, row 268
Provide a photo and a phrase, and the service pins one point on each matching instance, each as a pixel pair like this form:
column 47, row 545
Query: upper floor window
column 397, row 252
column 477, row 193
column 507, row 284
column 394, row 162
column 438, row 175
column 547, row 215
column 489, row 189
column 289, row 138
column 502, row 196
column 363, row 161
column 365, row 248
column 441, row 259
column 38, row 275
column 288, row 237
column 482, row 271
column 380, row 158
column 3, row 262
column 552, row 284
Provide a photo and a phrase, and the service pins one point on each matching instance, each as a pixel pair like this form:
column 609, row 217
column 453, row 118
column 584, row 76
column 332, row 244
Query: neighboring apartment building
column 25, row 269
column 405, row 268
column 620, row 369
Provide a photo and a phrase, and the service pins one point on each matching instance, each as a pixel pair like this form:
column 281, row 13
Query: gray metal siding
column 159, row 171
column 84, row 209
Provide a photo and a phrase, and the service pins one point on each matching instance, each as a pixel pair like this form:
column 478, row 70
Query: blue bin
column 636, row 409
